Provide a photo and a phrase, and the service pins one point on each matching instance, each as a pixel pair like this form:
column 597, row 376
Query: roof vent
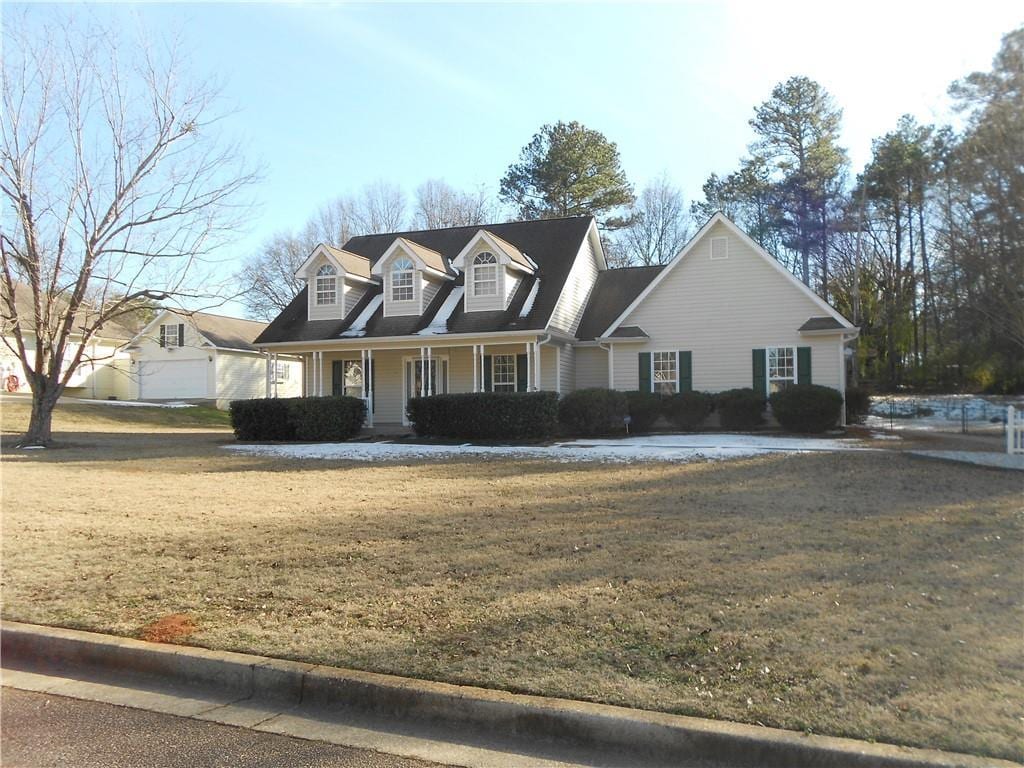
column 719, row 248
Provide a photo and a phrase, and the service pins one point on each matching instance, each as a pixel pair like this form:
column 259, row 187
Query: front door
column 437, row 370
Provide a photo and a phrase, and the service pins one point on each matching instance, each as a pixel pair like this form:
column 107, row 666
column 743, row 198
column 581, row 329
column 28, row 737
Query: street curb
column 658, row 738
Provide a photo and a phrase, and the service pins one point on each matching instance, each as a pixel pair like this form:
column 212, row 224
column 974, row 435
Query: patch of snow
column 532, row 297
column 358, row 327
column 939, row 413
column 673, row 448
column 130, row 403
column 440, row 322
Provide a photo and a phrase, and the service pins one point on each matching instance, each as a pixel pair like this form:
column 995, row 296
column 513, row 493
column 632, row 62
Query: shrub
column 858, row 402
column 807, row 407
column 486, row 415
column 644, row 408
column 593, row 411
column 298, row 418
column 739, row 408
column 687, row 410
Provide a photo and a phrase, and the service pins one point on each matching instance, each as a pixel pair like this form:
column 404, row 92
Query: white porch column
column 476, row 387
column 611, row 366
column 318, row 382
column 558, row 370
column 266, row 356
column 428, row 371
column 273, row 372
column 483, row 375
column 536, row 365
column 529, row 366
column 368, row 381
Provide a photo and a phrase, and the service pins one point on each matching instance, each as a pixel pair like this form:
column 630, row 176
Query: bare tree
column 381, row 207
column 659, row 226
column 438, row 205
column 117, row 189
column 269, row 275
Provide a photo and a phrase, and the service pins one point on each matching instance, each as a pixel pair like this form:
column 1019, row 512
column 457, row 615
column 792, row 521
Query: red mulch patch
column 171, row 628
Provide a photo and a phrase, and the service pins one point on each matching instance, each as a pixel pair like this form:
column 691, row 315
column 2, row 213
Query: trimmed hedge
column 593, row 411
column 687, row 410
column 485, row 415
column 644, row 409
column 740, row 408
column 312, row 419
column 807, row 407
column 858, row 402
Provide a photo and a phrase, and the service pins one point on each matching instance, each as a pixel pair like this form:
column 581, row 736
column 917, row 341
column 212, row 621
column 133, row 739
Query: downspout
column 537, row 366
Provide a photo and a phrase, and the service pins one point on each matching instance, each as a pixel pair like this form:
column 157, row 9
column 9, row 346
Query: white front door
column 437, row 368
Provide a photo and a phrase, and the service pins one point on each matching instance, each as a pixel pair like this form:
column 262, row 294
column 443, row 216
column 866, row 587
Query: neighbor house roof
column 552, row 244
column 612, row 293
column 24, row 304
column 227, row 332
column 821, row 324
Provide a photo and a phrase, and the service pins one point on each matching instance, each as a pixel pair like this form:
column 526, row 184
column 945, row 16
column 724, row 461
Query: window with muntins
column 503, row 373
column 326, row 285
column 281, row 371
column 169, row 335
column 485, row 275
column 666, row 373
column 781, row 368
column 402, row 275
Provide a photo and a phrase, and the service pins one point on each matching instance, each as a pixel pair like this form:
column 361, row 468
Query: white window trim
column 654, row 382
column 410, row 272
column 282, row 372
column 325, row 285
column 515, row 373
column 477, row 281
column 768, row 368
column 166, row 334
column 724, row 240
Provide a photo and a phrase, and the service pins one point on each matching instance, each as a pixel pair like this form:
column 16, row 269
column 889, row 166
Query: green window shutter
column 163, row 335
column 521, row 383
column 487, row 373
column 645, row 372
column 803, row 365
column 338, row 378
column 181, row 334
column 685, row 371
column 760, row 374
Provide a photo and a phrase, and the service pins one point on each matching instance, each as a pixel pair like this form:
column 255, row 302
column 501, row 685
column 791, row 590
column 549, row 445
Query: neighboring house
column 532, row 305
column 103, row 373
column 198, row 356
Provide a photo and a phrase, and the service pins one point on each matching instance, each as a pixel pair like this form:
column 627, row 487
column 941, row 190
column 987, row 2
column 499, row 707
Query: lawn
column 873, row 595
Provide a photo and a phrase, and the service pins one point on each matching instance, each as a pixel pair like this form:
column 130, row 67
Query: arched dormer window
column 485, row 274
column 326, row 285
column 402, row 276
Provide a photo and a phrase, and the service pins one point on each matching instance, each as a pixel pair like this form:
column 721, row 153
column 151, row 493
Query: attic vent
column 719, row 248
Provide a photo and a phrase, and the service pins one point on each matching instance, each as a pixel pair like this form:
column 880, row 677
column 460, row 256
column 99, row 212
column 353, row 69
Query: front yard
column 868, row 594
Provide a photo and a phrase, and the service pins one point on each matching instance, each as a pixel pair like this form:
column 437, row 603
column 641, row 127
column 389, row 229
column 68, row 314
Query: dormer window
column 326, row 285
column 402, row 277
column 485, row 274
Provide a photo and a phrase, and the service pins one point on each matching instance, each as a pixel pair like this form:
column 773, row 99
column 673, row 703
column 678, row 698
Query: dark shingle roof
column 821, row 324
column 614, row 290
column 227, row 332
column 551, row 243
column 629, row 332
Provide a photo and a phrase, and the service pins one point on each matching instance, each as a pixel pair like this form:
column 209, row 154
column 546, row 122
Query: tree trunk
column 44, row 399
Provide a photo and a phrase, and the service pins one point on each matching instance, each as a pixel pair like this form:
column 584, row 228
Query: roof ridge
column 403, row 233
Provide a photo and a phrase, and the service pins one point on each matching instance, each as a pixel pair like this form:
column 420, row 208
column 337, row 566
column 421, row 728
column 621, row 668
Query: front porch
column 386, row 375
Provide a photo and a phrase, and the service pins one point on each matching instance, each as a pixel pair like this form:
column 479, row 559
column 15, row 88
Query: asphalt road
column 38, row 730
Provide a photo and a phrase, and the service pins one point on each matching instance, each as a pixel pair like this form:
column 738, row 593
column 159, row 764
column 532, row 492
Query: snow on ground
column 131, row 403
column 676, row 448
column 939, row 413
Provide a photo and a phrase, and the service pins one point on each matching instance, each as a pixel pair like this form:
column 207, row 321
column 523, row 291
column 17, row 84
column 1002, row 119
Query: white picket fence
column 1014, row 430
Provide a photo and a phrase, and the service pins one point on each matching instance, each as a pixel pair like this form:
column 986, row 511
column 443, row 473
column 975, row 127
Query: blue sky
column 331, row 97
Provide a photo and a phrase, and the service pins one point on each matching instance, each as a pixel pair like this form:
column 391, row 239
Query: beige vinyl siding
column 430, row 289
column 243, row 376
column 580, row 281
column 473, row 303
column 399, row 308
column 353, row 294
column 591, row 367
column 720, row 310
column 334, row 311
column 567, row 371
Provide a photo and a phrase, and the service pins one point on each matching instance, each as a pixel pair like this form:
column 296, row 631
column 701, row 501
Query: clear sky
column 331, row 97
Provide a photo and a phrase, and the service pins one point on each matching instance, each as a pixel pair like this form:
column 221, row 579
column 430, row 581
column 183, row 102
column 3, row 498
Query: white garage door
column 172, row 380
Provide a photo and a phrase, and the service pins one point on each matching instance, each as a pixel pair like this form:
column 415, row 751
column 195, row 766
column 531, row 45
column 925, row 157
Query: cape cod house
column 533, row 305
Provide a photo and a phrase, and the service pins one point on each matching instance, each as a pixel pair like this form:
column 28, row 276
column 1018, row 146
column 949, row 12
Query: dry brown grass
column 868, row 595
